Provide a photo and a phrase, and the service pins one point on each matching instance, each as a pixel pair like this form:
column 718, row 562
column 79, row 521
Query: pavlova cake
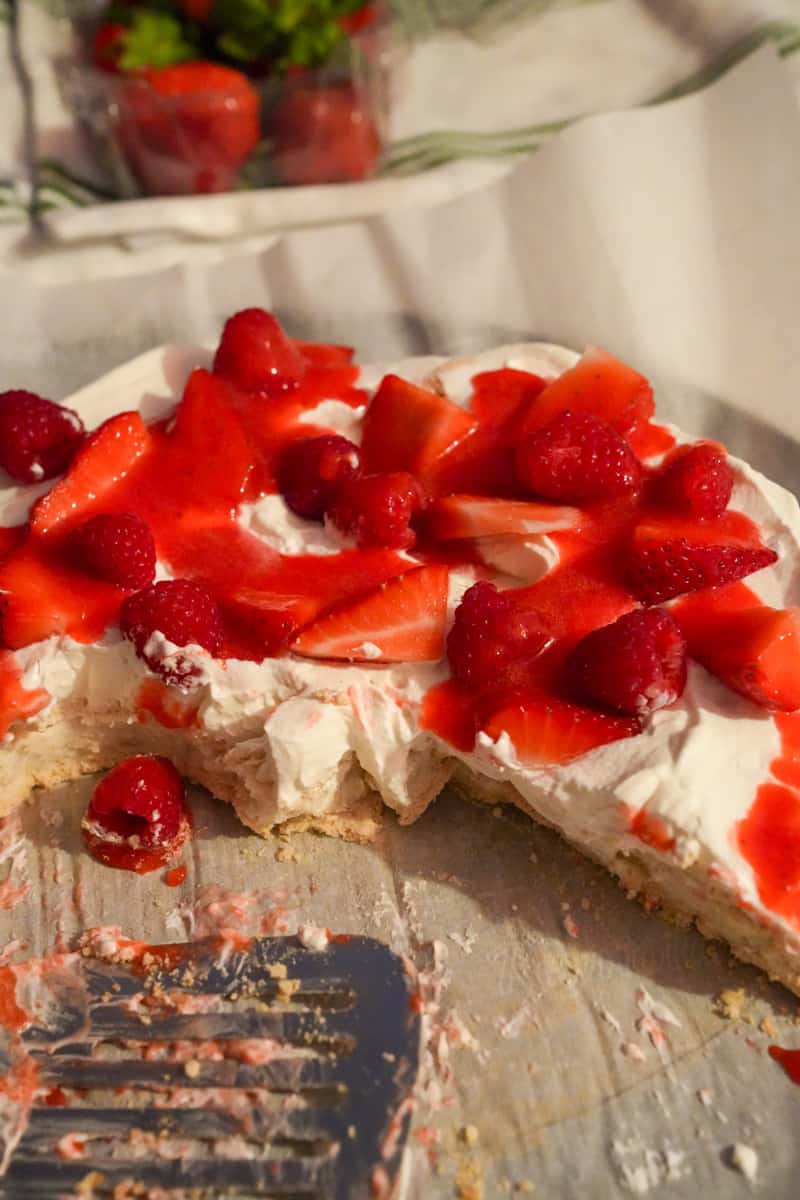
column 318, row 590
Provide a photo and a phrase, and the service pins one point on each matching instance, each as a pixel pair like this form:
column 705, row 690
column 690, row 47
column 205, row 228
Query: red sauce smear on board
column 789, row 1060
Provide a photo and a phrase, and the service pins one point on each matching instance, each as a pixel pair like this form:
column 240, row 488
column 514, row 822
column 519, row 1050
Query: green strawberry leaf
column 154, row 39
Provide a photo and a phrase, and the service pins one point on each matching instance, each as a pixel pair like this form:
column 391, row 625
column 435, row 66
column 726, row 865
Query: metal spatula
column 161, row 1083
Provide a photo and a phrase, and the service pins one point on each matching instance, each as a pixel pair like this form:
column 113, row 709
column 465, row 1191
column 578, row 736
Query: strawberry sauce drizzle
column 189, row 478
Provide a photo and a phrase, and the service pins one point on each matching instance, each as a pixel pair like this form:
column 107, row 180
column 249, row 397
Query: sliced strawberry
column 453, row 517
column 265, row 622
column 40, row 597
column 728, row 529
column 408, row 428
column 546, row 731
column 598, row 384
column 105, row 459
column 755, row 651
column 499, row 395
column 210, row 456
column 570, row 603
column 401, row 621
column 657, row 570
column 323, row 356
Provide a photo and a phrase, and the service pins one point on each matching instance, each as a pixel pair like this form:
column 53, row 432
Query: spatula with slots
column 269, row 1070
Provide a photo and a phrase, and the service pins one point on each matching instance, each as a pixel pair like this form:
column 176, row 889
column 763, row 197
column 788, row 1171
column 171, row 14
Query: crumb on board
column 768, row 1026
column 743, row 1159
column 730, row 1005
column 469, row 1135
column 469, row 1181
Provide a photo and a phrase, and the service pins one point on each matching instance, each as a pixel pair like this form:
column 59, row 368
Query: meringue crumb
column 706, row 1097
column 87, row 1185
column 287, row 988
column 570, row 926
column 286, row 853
column 277, row 970
column 469, row 1181
column 743, row 1159
column 631, row 1050
column 192, row 1068
column 729, row 1004
column 469, row 1135
column 768, row 1026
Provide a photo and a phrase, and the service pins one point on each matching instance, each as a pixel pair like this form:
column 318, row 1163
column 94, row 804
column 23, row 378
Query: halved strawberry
column 598, row 384
column 401, row 621
column 656, row 570
column 755, row 651
column 546, row 731
column 408, row 428
column 484, row 516
column 265, row 622
column 105, row 459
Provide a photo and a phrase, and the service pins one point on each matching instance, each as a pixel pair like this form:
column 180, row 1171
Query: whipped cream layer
column 695, row 768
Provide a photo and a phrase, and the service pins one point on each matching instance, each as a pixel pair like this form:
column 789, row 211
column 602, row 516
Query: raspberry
column 312, row 470
column 184, row 612
column 489, row 635
column 697, row 482
column 37, row 438
column 634, row 666
column 377, row 510
column 136, row 818
column 255, row 354
column 577, row 458
column 658, row 571
column 118, row 547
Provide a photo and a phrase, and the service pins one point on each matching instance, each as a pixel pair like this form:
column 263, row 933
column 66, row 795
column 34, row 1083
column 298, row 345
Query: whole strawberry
column 187, row 129
column 323, row 135
column 577, row 458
